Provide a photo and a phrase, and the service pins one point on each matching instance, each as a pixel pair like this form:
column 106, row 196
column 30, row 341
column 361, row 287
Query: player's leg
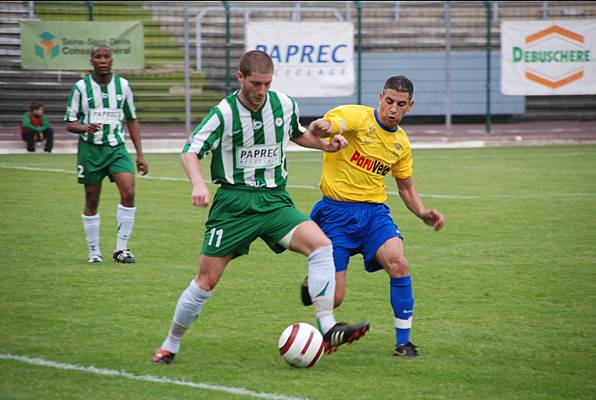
column 48, row 133
column 310, row 240
column 125, row 216
column 330, row 216
column 91, row 221
column 226, row 235
column 121, row 169
column 340, row 288
column 383, row 249
column 190, row 303
column 391, row 256
column 29, row 137
column 90, row 172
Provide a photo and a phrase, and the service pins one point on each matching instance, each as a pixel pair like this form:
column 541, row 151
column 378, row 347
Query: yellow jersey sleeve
column 346, row 119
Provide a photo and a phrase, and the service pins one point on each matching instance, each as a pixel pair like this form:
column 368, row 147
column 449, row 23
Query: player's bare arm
column 321, row 128
column 307, row 139
column 77, row 127
column 411, row 199
column 200, row 196
column 135, row 135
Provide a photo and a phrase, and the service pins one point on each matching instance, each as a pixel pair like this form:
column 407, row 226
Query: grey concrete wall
column 427, row 72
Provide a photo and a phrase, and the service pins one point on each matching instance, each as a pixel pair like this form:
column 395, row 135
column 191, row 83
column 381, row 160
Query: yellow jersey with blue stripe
column 357, row 172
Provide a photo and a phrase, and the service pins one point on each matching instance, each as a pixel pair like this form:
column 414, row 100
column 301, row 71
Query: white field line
column 312, row 187
column 147, row 378
column 503, row 156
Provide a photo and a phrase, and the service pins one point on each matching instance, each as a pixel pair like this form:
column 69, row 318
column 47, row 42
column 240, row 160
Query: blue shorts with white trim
column 355, row 228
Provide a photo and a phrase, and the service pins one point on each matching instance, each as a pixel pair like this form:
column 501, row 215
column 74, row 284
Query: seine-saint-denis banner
column 548, row 57
column 66, row 45
column 312, row 59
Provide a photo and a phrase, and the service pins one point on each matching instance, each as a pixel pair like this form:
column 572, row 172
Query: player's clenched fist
column 200, row 195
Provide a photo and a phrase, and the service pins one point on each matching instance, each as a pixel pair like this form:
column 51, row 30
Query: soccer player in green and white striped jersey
column 248, row 133
column 96, row 107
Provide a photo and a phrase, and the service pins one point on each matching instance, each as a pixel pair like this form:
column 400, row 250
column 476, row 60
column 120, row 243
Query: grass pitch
column 505, row 294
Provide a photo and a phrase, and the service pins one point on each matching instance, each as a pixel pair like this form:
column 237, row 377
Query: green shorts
column 239, row 216
column 95, row 162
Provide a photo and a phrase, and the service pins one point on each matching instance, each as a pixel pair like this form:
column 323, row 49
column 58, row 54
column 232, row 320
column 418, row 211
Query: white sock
column 91, row 226
column 188, row 309
column 125, row 218
column 321, row 285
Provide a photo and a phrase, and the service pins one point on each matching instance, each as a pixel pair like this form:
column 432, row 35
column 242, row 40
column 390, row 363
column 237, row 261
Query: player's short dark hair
column 35, row 105
column 98, row 47
column 256, row 61
column 400, row 84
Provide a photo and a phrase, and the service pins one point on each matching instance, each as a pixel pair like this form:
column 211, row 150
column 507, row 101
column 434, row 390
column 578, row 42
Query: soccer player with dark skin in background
column 96, row 107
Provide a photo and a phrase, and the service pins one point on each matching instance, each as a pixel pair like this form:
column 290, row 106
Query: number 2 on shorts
column 215, row 232
column 80, row 173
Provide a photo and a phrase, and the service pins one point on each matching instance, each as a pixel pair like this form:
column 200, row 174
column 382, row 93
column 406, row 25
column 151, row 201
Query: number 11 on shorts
column 215, row 232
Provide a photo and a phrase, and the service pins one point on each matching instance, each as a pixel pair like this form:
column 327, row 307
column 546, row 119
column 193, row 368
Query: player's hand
column 320, row 127
column 92, row 128
column 336, row 143
column 142, row 166
column 433, row 218
column 200, row 196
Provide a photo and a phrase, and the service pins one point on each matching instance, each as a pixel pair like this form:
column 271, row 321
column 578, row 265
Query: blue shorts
column 355, row 228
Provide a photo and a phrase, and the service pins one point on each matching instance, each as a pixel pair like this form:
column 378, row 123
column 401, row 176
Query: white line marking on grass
column 147, row 378
column 311, row 187
column 504, row 156
column 36, row 168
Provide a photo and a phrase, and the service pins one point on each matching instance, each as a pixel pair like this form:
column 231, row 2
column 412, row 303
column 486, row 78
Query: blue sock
column 402, row 302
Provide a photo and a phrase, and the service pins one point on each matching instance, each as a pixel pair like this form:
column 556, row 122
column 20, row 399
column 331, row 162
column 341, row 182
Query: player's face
column 38, row 112
column 102, row 61
column 393, row 107
column 254, row 88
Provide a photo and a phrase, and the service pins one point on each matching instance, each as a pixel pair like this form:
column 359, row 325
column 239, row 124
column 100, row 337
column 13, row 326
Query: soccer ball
column 301, row 345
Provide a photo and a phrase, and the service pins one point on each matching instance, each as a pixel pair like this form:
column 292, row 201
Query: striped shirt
column 249, row 148
column 89, row 102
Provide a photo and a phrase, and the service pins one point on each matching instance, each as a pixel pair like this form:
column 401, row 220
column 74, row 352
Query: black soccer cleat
column 304, row 295
column 406, row 350
column 343, row 333
column 123, row 257
column 163, row 357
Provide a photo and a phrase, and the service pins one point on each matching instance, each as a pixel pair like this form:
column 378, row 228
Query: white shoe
column 95, row 258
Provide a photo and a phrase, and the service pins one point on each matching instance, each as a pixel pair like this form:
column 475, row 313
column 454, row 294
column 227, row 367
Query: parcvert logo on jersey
column 47, row 46
column 553, row 45
column 369, row 164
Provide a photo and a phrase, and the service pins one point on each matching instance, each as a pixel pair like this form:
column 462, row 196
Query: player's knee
column 205, row 283
column 318, row 239
column 128, row 197
column 323, row 241
column 398, row 267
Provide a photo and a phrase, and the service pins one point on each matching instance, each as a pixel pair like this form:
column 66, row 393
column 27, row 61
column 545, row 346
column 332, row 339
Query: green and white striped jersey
column 249, row 148
column 89, row 102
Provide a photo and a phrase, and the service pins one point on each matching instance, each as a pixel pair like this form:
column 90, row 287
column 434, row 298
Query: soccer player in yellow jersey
column 352, row 212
